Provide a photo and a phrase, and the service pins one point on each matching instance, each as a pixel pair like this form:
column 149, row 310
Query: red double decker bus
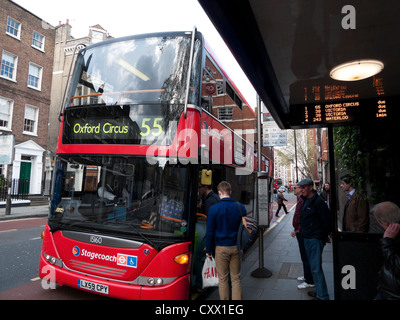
column 136, row 132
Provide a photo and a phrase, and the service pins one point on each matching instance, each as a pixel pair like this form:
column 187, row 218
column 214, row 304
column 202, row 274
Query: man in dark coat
column 315, row 227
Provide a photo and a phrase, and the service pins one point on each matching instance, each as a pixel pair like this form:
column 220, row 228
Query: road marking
column 8, row 230
column 273, row 225
column 24, row 219
column 37, row 238
column 35, row 279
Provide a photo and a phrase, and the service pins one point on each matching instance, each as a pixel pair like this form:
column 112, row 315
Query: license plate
column 92, row 286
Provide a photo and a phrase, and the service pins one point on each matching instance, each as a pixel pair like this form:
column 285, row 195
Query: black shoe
column 312, row 294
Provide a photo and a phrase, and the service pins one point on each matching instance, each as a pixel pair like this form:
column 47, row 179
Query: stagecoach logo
column 146, row 252
column 76, row 251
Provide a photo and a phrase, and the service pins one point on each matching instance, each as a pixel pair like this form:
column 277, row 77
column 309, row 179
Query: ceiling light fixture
column 356, row 70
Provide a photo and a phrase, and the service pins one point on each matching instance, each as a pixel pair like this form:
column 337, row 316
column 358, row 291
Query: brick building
column 223, row 99
column 27, row 50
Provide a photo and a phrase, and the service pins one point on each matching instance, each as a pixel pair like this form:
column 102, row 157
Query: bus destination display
column 316, row 114
column 144, row 125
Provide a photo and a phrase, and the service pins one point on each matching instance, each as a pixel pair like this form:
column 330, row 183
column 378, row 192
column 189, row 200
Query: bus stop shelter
column 290, row 50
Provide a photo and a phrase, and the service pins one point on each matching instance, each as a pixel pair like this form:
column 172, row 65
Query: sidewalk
column 282, row 258
column 24, row 212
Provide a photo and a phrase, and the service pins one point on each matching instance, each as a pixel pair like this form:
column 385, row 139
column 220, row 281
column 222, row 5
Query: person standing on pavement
column 388, row 215
column 356, row 210
column 315, row 227
column 281, row 198
column 326, row 194
column 307, row 279
column 210, row 198
column 222, row 229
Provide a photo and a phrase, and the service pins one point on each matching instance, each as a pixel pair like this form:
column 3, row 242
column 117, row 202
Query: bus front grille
column 98, row 269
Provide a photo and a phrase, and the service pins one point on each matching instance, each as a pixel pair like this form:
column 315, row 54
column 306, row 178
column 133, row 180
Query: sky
column 128, row 17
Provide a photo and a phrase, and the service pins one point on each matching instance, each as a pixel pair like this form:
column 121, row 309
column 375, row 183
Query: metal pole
column 295, row 155
column 189, row 70
column 260, row 272
column 333, row 209
column 9, row 173
column 8, row 200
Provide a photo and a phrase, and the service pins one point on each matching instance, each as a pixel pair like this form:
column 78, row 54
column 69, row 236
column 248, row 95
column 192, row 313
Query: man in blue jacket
column 315, row 227
column 223, row 223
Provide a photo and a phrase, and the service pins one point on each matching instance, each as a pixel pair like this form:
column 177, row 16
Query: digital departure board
column 351, row 111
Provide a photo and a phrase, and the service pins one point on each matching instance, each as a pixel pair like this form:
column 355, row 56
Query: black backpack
column 247, row 234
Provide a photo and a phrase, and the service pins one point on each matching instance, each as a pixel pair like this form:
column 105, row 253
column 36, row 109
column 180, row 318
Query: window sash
column 30, row 119
column 13, row 27
column 34, row 76
column 7, row 65
column 225, row 113
column 38, row 40
column 5, row 113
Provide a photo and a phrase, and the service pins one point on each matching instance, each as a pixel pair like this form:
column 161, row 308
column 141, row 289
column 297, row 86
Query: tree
column 349, row 150
column 306, row 153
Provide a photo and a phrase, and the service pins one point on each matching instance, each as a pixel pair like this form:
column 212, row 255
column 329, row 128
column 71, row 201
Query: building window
column 231, row 93
column 8, row 66
column 97, row 36
column 238, row 102
column 31, row 119
column 13, row 28
column 35, row 76
column 38, row 41
column 6, row 111
column 220, row 87
column 225, row 113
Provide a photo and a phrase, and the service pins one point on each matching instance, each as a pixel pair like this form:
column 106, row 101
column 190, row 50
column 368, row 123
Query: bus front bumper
column 52, row 273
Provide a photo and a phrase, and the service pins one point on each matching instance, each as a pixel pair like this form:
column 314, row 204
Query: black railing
column 19, row 189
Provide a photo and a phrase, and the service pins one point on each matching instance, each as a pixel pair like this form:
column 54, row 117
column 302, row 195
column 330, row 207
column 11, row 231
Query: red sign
column 210, row 88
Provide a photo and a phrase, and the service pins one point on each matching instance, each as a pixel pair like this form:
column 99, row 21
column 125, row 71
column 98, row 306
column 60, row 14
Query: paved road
column 20, row 245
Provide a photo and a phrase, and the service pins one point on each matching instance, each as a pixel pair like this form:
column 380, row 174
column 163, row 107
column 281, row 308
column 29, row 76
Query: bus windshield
column 135, row 70
column 122, row 195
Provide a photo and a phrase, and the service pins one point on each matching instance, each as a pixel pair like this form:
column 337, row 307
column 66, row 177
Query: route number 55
column 148, row 126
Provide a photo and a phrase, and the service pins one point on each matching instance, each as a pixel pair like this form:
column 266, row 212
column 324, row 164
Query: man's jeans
column 314, row 249
column 306, row 266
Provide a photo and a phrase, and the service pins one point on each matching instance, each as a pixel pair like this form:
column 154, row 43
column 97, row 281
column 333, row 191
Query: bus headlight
column 151, row 281
column 53, row 260
column 155, row 282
